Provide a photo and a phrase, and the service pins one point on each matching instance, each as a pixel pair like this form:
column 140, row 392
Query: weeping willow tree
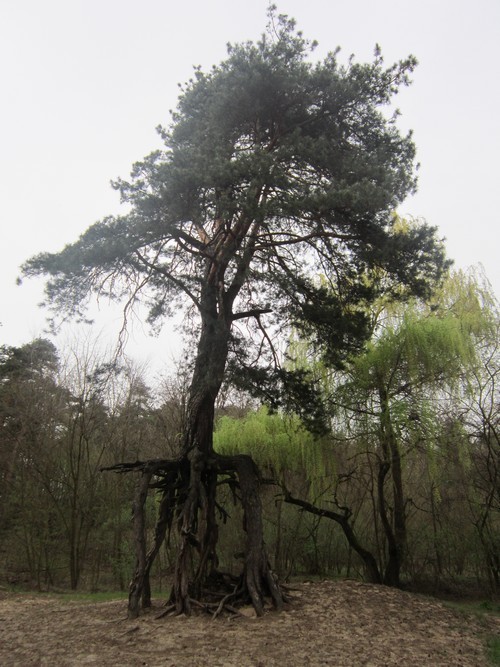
column 476, row 416
column 274, row 167
column 391, row 396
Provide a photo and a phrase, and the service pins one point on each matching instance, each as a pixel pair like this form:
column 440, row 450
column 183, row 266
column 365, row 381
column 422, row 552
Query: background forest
column 400, row 483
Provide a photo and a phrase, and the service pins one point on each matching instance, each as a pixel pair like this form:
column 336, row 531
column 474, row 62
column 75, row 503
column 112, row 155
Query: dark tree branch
column 256, row 312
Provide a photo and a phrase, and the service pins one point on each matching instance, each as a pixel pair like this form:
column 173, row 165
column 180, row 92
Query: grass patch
column 74, row 596
column 494, row 650
column 101, row 596
column 477, row 608
column 490, row 607
column 481, row 609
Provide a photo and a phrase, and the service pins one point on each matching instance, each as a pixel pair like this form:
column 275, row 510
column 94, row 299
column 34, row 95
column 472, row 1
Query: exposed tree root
column 188, row 488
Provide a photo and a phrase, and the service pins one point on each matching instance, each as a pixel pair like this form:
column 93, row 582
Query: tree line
column 403, row 488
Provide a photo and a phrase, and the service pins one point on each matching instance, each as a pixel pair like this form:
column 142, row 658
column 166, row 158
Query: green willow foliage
column 418, row 357
column 418, row 347
column 275, row 441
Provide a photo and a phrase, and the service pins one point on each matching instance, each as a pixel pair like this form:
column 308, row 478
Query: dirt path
column 330, row 623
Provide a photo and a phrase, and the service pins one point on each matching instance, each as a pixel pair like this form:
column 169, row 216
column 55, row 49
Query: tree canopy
column 274, row 168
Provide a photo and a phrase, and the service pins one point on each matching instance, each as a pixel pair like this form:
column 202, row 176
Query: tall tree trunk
column 395, row 531
column 196, row 517
column 137, row 583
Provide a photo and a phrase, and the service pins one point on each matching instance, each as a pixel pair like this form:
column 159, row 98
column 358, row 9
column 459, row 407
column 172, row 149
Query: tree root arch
column 189, row 505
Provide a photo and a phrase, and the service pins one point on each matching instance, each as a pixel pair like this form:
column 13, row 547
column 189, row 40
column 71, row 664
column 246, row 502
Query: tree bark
column 137, row 583
column 395, row 532
column 257, row 576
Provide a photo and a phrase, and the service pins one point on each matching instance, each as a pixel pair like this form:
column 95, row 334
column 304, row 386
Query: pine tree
column 274, row 168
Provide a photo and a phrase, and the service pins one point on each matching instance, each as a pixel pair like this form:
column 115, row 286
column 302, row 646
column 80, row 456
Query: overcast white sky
column 85, row 82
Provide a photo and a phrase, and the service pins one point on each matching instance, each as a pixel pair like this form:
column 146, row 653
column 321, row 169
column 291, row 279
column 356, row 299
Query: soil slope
column 342, row 623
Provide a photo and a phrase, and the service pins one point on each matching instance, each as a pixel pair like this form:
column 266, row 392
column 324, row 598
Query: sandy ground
column 329, row 623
